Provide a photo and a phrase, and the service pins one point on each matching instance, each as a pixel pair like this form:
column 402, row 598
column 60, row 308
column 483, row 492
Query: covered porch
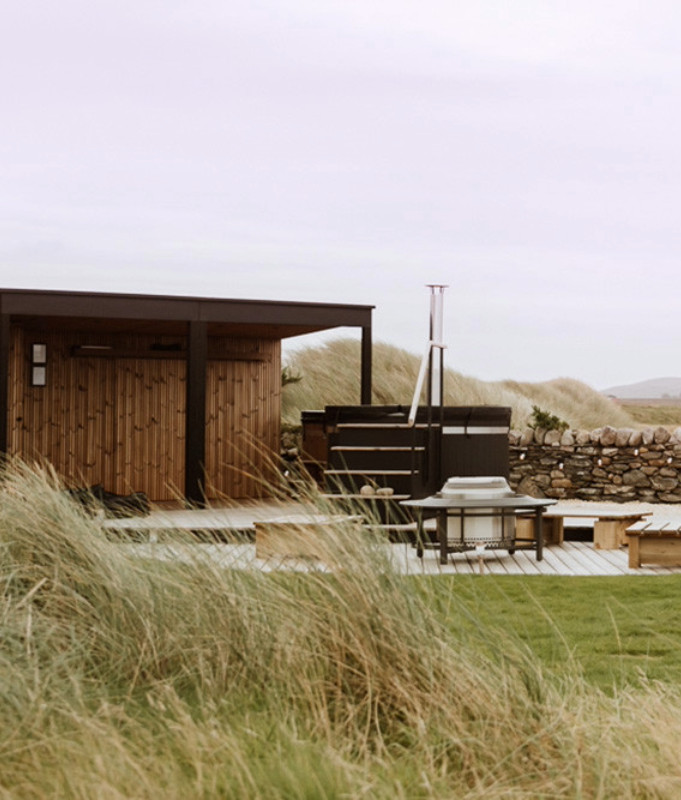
column 177, row 397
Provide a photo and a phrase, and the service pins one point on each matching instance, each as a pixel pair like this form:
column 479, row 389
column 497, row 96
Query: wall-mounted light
column 561, row 465
column 522, row 456
column 669, row 460
column 636, row 451
column 600, row 462
column 38, row 364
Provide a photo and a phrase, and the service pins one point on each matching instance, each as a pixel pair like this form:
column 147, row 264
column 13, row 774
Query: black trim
column 365, row 398
column 195, row 433
column 96, row 305
column 4, row 380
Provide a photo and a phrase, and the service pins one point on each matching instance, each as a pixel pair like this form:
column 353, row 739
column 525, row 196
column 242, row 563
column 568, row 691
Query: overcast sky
column 525, row 153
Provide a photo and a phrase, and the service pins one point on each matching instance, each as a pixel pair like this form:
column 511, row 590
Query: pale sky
column 525, row 153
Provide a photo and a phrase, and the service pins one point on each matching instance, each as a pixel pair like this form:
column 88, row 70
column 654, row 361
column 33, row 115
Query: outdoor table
column 463, row 508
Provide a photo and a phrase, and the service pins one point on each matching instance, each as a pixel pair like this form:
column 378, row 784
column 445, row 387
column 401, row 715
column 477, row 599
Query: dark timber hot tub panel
column 374, row 444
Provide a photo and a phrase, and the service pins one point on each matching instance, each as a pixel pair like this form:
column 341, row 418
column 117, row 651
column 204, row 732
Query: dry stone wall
column 612, row 464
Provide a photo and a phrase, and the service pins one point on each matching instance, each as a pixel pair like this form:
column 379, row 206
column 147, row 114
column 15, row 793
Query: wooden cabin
column 163, row 395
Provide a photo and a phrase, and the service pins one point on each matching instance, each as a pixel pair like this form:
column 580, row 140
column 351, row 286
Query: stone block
column 539, row 435
column 595, row 435
column 661, row 435
column 567, row 439
column 582, row 438
column 552, row 438
column 635, row 439
column 663, row 484
column 647, row 495
column 623, row 436
column 635, row 477
column 561, row 483
column 526, row 437
column 528, row 486
column 608, row 436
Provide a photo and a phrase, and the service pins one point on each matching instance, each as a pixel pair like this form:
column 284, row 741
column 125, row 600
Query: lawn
column 614, row 631
column 123, row 677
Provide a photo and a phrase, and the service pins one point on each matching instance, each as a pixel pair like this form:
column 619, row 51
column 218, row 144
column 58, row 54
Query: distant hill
column 330, row 376
column 653, row 388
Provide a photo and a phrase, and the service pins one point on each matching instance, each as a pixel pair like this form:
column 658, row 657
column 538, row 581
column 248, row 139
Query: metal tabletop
column 439, row 501
column 441, row 505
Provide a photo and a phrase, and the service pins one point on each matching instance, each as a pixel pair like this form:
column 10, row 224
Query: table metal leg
column 442, row 534
column 420, row 534
column 539, row 532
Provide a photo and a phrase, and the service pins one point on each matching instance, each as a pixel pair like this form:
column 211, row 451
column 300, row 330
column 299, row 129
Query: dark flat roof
column 267, row 318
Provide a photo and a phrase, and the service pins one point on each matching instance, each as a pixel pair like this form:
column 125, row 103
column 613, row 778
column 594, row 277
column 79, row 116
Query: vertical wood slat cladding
column 150, row 426
column 121, row 421
column 118, row 422
column 243, row 400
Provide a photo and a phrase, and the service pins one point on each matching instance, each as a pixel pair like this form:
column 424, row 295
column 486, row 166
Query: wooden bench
column 655, row 542
column 610, row 526
column 300, row 536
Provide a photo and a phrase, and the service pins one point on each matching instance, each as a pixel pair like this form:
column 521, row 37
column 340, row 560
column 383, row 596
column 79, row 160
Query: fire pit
column 478, row 513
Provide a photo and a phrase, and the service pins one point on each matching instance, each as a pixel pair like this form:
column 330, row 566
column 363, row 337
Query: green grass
column 615, row 631
column 125, row 677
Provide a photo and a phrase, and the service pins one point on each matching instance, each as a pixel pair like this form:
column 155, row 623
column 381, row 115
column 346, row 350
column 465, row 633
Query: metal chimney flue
column 433, row 358
column 437, row 345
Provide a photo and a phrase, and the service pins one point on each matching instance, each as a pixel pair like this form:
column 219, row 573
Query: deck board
column 569, row 558
column 575, row 559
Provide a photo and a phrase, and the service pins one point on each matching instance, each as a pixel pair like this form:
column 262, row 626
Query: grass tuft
column 330, row 376
column 124, row 676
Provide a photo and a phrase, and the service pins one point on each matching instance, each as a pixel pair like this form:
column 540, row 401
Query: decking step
column 376, row 448
column 367, row 497
column 381, row 425
column 370, row 472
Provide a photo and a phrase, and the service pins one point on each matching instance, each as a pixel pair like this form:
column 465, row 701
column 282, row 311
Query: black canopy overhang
column 135, row 312
column 197, row 318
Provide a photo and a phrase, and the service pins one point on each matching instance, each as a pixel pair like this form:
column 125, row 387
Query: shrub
column 546, row 420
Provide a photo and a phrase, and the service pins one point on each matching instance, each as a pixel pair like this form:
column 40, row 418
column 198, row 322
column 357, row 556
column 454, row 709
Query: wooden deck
column 570, row 558
column 567, row 558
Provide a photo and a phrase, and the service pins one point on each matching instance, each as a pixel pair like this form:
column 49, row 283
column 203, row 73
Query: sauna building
column 164, row 395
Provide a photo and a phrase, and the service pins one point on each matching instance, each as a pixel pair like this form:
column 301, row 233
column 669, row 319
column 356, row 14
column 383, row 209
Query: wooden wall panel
column 63, row 422
column 150, row 405
column 243, row 401
column 121, row 421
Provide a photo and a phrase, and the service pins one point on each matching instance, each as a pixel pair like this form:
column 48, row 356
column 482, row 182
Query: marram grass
column 123, row 677
column 330, row 375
